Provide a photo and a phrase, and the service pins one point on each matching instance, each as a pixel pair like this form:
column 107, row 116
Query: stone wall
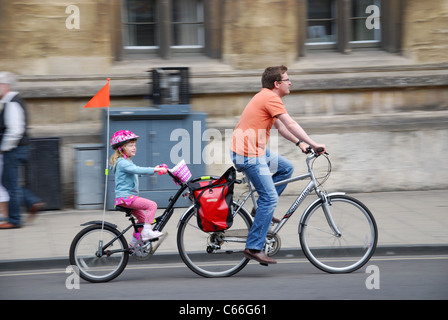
column 35, row 39
column 384, row 132
column 253, row 34
column 383, row 117
column 259, row 31
column 425, row 30
column 374, row 153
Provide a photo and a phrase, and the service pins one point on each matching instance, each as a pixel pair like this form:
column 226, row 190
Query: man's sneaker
column 274, row 219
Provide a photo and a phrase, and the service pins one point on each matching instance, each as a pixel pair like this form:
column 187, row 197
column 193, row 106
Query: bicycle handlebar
column 309, row 150
column 177, row 180
column 317, row 152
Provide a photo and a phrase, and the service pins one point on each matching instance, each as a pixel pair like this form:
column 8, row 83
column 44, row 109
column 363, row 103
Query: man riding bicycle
column 262, row 166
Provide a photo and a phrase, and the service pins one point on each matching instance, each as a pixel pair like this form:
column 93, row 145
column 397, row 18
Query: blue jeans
column 263, row 172
column 12, row 161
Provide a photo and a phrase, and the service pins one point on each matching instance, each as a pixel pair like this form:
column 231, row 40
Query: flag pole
column 106, row 173
column 101, row 100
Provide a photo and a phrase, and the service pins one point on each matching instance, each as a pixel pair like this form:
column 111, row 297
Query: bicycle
column 337, row 233
column 220, row 254
column 101, row 252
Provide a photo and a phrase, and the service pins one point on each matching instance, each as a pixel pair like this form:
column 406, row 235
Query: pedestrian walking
column 4, row 195
column 15, row 150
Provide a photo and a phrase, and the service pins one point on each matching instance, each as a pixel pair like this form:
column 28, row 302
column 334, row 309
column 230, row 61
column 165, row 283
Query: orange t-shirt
column 252, row 131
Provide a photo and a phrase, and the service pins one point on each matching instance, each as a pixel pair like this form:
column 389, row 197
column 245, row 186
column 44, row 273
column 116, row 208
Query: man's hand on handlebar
column 306, row 148
column 303, row 146
column 319, row 148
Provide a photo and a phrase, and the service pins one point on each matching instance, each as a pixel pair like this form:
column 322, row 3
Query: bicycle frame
column 161, row 221
column 312, row 185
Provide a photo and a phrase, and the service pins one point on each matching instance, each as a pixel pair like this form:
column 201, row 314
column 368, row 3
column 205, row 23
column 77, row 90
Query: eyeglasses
column 283, row 80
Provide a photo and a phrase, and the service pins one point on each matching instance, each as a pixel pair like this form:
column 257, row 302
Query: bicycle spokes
column 348, row 249
column 215, row 254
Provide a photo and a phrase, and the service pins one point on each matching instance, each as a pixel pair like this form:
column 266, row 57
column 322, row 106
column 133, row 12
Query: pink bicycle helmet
column 121, row 137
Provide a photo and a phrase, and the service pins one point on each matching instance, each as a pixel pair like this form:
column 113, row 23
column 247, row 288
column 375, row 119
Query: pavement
column 409, row 222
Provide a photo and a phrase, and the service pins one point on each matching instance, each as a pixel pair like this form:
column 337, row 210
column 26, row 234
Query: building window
column 188, row 24
column 161, row 27
column 140, row 24
column 341, row 24
column 363, row 31
column 321, row 22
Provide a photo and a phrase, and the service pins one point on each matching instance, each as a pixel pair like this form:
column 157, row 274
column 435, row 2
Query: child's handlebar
column 166, row 168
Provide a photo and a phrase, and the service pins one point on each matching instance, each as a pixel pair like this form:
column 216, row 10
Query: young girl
column 126, row 183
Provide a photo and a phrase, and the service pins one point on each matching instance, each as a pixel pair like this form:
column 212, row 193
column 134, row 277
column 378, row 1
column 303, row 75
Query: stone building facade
column 381, row 91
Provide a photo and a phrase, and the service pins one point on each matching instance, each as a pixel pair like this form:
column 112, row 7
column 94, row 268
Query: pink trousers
column 143, row 209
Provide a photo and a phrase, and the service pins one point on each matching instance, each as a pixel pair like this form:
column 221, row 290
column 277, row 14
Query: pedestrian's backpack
column 213, row 200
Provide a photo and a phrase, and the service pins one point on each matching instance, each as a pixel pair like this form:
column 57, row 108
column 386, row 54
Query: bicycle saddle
column 123, row 209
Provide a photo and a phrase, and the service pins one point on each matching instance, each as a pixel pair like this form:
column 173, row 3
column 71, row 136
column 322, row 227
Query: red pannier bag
column 213, row 200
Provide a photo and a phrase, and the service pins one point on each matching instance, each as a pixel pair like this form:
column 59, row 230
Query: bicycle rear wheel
column 214, row 254
column 342, row 253
column 96, row 266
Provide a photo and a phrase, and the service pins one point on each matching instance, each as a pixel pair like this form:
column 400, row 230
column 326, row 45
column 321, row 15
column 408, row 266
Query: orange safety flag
column 101, row 99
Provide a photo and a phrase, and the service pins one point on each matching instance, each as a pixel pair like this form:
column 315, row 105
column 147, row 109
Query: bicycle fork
column 326, row 203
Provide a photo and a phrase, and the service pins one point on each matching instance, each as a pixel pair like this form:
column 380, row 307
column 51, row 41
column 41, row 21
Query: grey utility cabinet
column 168, row 134
column 89, row 176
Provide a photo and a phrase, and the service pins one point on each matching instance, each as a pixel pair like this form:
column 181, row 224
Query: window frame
column 390, row 41
column 366, row 43
column 165, row 27
column 332, row 20
column 200, row 22
column 131, row 49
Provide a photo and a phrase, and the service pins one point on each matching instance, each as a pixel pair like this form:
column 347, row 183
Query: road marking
column 182, row 265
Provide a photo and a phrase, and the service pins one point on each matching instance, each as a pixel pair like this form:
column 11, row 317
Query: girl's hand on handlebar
column 161, row 169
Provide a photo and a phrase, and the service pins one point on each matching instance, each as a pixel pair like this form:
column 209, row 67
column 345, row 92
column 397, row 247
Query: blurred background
column 369, row 79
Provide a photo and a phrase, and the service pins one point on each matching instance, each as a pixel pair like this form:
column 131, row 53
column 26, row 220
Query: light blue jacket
column 126, row 177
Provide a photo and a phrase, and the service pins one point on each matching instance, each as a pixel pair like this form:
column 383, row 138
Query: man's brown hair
column 272, row 74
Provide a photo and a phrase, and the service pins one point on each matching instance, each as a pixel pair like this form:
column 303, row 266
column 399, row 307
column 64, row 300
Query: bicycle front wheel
column 95, row 262
column 341, row 252
column 214, row 254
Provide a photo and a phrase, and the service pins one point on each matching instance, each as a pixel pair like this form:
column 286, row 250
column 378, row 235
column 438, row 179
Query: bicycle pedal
column 264, row 264
column 157, row 245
